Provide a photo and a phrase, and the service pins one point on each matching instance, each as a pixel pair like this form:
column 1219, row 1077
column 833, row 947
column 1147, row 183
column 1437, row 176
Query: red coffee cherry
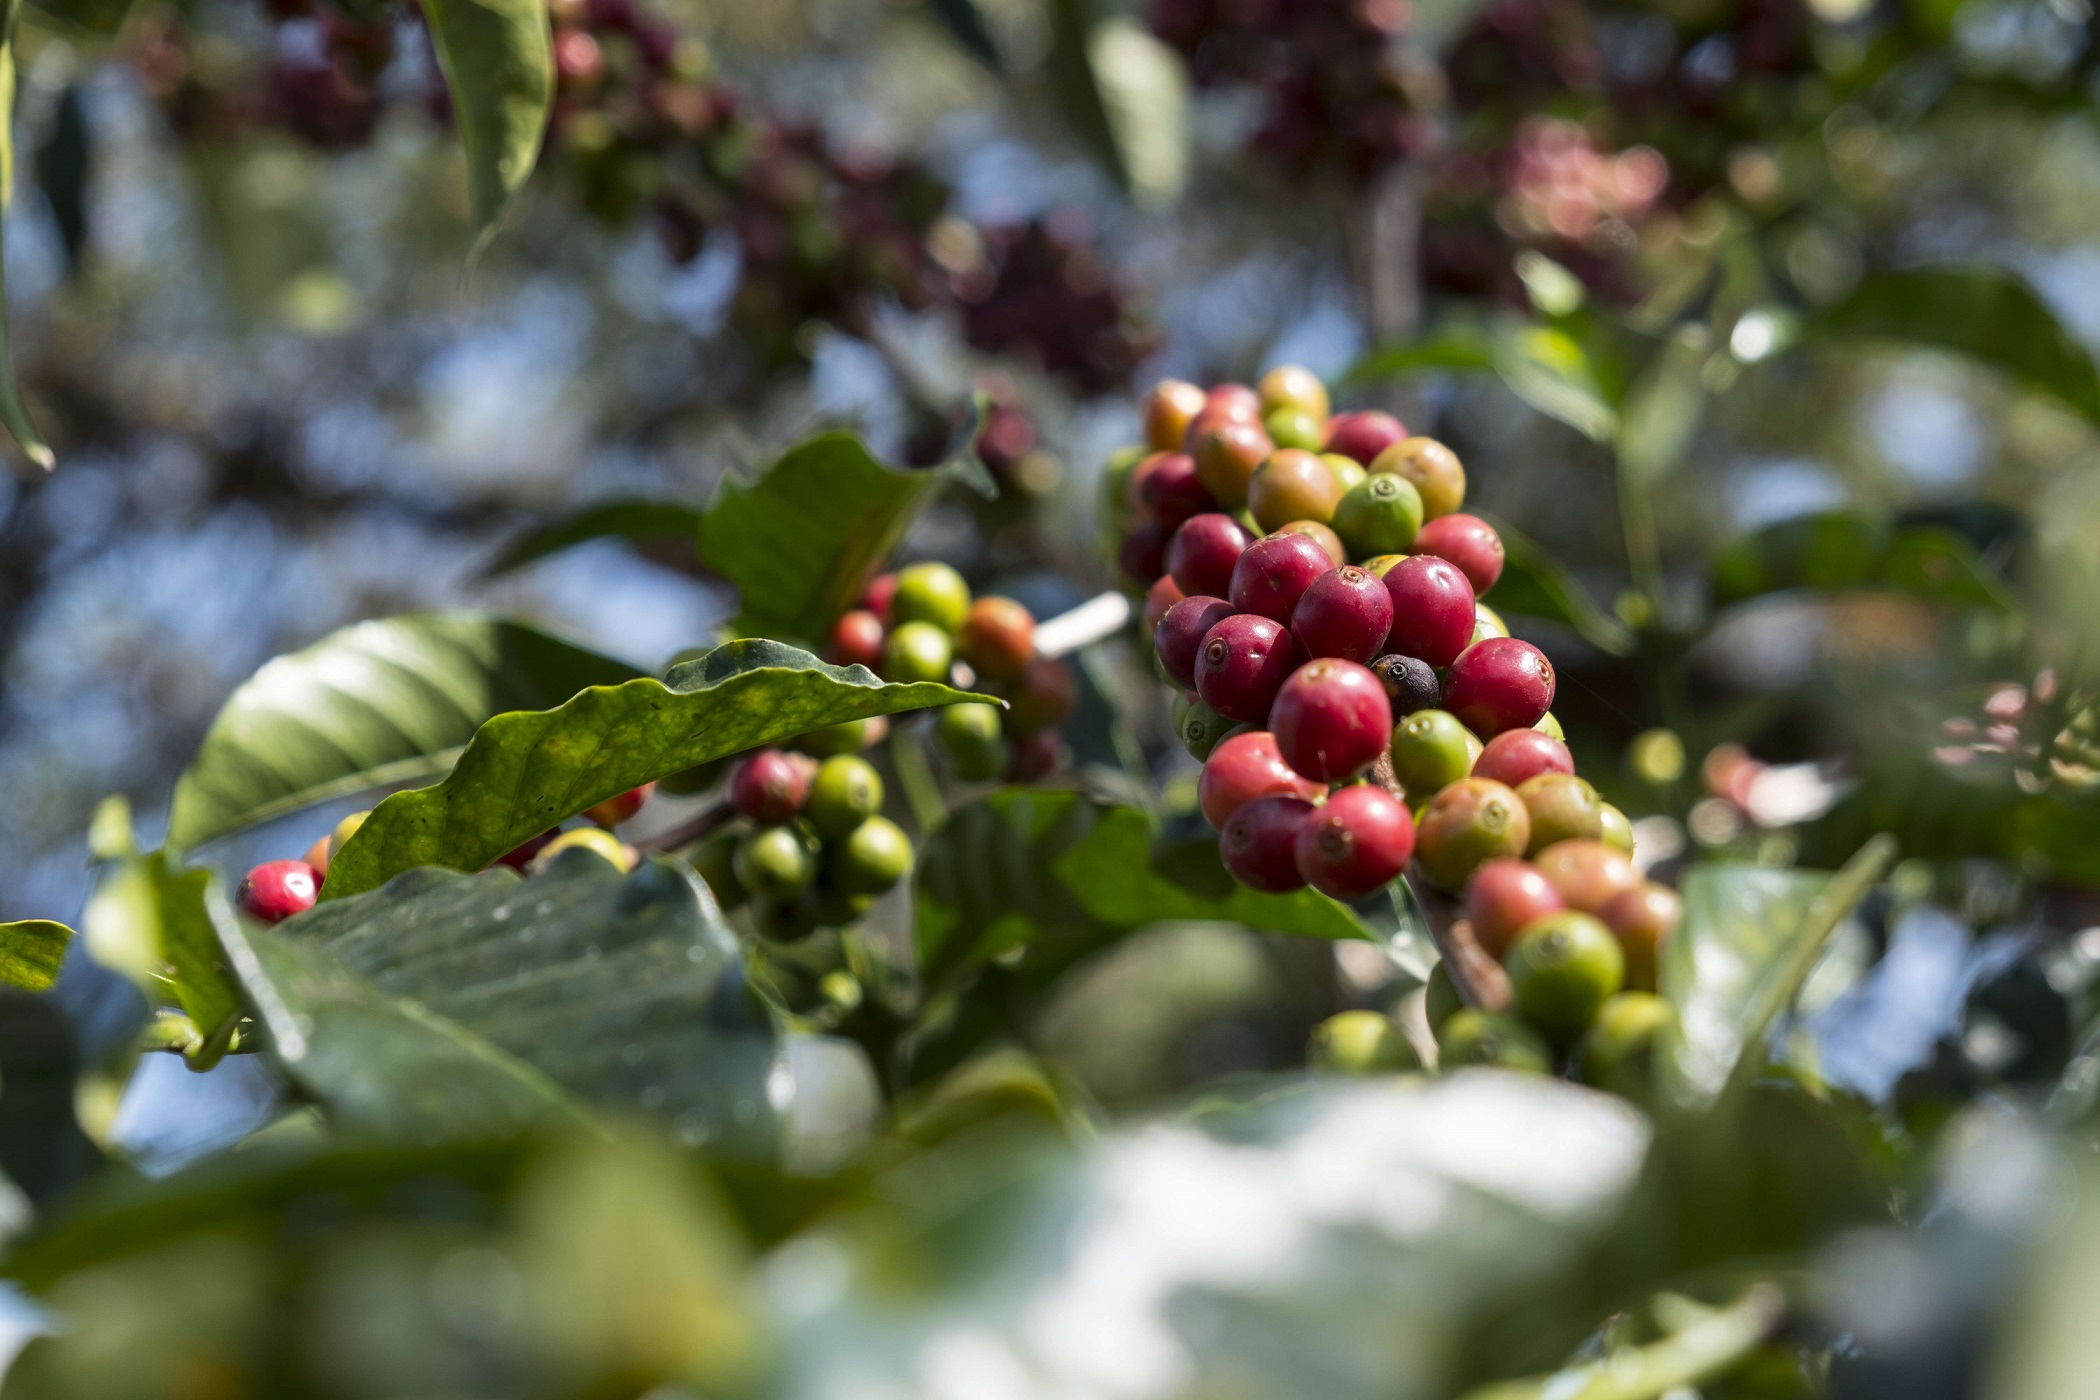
column 856, row 640
column 614, row 810
column 997, row 636
column 1331, row 719
column 521, row 855
column 1242, row 768
column 1502, row 897
column 1137, row 504
column 1432, row 611
column 278, row 889
column 1179, row 637
column 1643, row 919
column 1363, row 435
column 1173, row 492
column 1143, row 555
column 1588, row 874
column 1274, row 573
column 770, row 786
column 1516, row 756
column 1467, row 541
column 1167, row 411
column 876, row 596
column 1356, row 842
column 1344, row 612
column 1260, row 844
column 1036, row 756
column 1243, row 662
column 1162, row 595
column 1043, row 697
column 1234, row 401
column 1203, row 554
column 1499, row 683
column 1226, row 455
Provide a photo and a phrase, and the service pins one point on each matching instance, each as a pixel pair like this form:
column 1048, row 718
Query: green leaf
column 1454, row 349
column 13, row 412
column 1846, row 551
column 525, row 771
column 1662, row 414
column 162, row 927
column 1986, row 313
column 1534, row 584
column 1125, row 96
column 803, row 539
column 625, row 519
column 31, row 951
column 1548, row 369
column 374, row 704
column 1710, row 1341
column 498, row 61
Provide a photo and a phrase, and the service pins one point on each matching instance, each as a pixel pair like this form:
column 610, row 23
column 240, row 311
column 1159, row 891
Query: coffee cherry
column 1588, row 874
column 1203, row 554
column 873, row 857
column 1550, row 727
column 1143, row 554
column 1226, row 455
column 1329, row 542
column 1617, row 1053
column 1294, row 427
column 1431, row 750
column 848, row 736
column 598, row 841
column 1043, row 697
column 323, row 851
column 1361, row 1042
column 974, row 738
column 1137, row 499
column 847, row 791
column 1378, row 515
column 876, row 596
column 1562, row 807
column 1515, row 756
column 1410, row 682
column 856, row 640
column 930, row 592
column 1348, row 472
column 1167, row 411
column 1179, row 637
column 1379, row 565
column 1362, row 436
column 790, row 919
column 1273, row 574
column 1642, row 919
column 997, row 637
column 1618, row 831
column 1432, row 612
column 1503, row 897
column 769, row 786
column 278, row 889
column 1357, row 841
column 1290, row 386
column 714, row 861
column 1432, row 467
column 1483, row 1038
column 775, row 862
column 1561, row 969
column 836, row 908
column 1440, row 1001
column 1241, row 768
column 614, row 810
column 1498, row 684
column 1243, row 662
column 1467, row 541
column 1344, row 612
column 1198, row 726
column 1173, row 492
column 1487, row 623
column 1465, row 826
column 1331, row 719
column 917, row 651
column 1161, row 596
column 1235, row 401
column 521, row 855
column 1292, row 484
column 1035, row 756
column 1259, row 844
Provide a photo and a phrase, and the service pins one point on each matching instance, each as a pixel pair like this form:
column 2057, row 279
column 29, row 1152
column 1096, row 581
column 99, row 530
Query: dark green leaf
column 1662, row 412
column 378, row 703
column 1533, row 584
column 964, row 21
column 629, row 519
column 1846, row 550
column 498, row 61
column 525, row 771
column 1930, row 562
column 42, row 1148
column 1709, row 1342
column 13, row 413
column 1460, row 348
column 62, row 162
column 1125, row 96
column 162, row 926
column 31, row 951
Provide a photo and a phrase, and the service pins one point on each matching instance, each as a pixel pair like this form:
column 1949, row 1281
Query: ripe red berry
column 278, row 889
column 1467, row 541
column 614, row 810
column 1234, row 401
column 1357, row 841
column 1499, row 683
column 1162, row 595
column 1260, row 844
column 1515, row 756
column 1167, row 411
column 521, row 855
column 1331, row 719
column 1274, row 573
column 1035, row 757
column 1643, row 920
column 1137, row 504
column 876, row 596
column 1173, row 492
column 1432, row 609
column 1143, row 555
column 1242, row 768
column 1345, row 612
column 770, row 786
column 1179, row 637
column 1588, row 874
column 1043, row 697
column 1362, row 436
column 1203, row 553
column 1243, row 662
column 1502, row 897
column 856, row 640
column 997, row 636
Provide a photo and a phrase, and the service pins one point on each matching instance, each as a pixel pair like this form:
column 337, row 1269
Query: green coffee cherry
column 1617, row 831
column 1294, row 427
column 1481, row 1038
column 715, row 861
column 1562, row 807
column 930, row 592
column 1618, row 1051
column 1198, row 726
column 873, row 858
column 1561, row 969
column 847, row 791
column 836, row 908
column 917, row 651
column 598, row 841
column 1115, row 481
column 1362, row 1042
column 796, row 916
column 1378, row 515
column 1440, row 997
column 850, row 737
column 1487, row 623
column 1347, row 470
column 1547, row 723
column 1431, row 750
column 775, row 863
column 973, row 736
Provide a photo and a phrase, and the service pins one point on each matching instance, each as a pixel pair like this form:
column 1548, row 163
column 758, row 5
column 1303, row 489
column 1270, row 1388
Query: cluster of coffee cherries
column 921, row 623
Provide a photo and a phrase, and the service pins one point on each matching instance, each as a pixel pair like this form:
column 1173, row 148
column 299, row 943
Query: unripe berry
column 1617, row 1053
column 1294, row 427
column 1562, row 807
column 1243, row 662
column 1487, row 623
column 847, row 736
column 856, row 640
column 1179, row 637
column 1226, row 455
column 1410, row 682
column 1203, row 554
column 874, row 857
column 1432, row 612
column 1274, row 573
column 847, row 791
column 1344, row 612
column 1235, row 401
column 599, row 842
column 1167, row 410
column 1432, row 467
column 1035, row 756
column 1499, row 684
column 1515, row 756
column 1643, row 919
column 1162, row 595
column 1242, row 768
column 1467, row 541
column 1292, row 386
column 1618, row 831
column 1143, row 554
column 930, row 592
column 1043, row 697
column 787, row 919
column 1561, row 969
column 614, row 810
column 1482, row 1038
column 1330, row 719
column 1259, row 845
column 769, row 786
column 917, row 651
column 1361, row 1042
column 1291, row 484
column 997, row 637
column 974, row 738
column 1431, row 750
column 1199, row 727
column 1588, row 874
column 1502, row 898
column 876, row 596
column 278, row 889
column 1357, row 841
column 1465, row 826
column 1348, row 472
column 1363, row 435
column 715, row 862
column 1173, row 492
column 1378, row 515
column 1329, row 542
column 775, row 862
column 323, row 851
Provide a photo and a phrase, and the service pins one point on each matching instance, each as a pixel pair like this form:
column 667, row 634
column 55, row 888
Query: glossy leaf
column 377, row 703
column 1845, row 550
column 624, row 519
column 528, row 770
column 1458, row 348
column 1662, row 413
column 162, row 927
column 1125, row 96
column 13, row 413
column 498, row 61
column 1548, row 369
column 1534, row 584
column 30, row 953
